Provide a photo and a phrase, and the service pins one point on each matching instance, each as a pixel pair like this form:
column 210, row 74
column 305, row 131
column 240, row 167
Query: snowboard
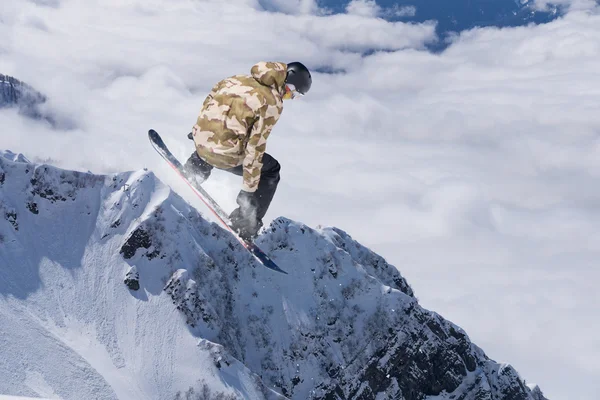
column 160, row 146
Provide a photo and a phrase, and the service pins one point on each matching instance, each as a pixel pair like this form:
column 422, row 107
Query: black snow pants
column 269, row 178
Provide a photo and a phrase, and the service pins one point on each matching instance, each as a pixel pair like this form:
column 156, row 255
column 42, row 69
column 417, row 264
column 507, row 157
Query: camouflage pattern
column 237, row 117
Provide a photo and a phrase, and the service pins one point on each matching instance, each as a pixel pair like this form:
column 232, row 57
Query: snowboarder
column 232, row 130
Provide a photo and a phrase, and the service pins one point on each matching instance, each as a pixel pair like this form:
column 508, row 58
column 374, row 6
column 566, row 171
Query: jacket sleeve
column 257, row 145
column 212, row 94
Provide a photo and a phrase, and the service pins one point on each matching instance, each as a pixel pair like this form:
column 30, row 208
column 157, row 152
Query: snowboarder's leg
column 269, row 178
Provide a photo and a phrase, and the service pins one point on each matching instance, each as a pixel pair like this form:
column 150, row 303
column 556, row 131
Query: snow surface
column 69, row 328
column 206, row 315
column 20, row 398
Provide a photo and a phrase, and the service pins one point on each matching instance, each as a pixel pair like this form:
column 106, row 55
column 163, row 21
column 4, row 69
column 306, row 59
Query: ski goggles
column 291, row 92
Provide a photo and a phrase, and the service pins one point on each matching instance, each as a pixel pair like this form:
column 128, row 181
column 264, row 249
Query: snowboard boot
column 246, row 227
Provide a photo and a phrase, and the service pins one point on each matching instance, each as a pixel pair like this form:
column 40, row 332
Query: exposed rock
column 132, row 278
column 33, row 207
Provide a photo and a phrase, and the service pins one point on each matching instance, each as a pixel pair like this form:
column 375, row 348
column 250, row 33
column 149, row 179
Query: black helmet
column 299, row 76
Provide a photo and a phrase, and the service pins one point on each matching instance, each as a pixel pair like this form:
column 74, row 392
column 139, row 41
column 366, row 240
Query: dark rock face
column 141, row 238
column 412, row 364
column 132, row 284
column 138, row 239
column 14, row 93
column 132, row 279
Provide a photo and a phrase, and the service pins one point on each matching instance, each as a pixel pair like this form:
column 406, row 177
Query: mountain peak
column 9, row 155
column 122, row 285
column 14, row 93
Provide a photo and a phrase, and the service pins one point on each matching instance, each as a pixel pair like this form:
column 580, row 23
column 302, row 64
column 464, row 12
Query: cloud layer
column 475, row 171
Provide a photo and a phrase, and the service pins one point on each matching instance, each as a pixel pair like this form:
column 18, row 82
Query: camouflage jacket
column 237, row 117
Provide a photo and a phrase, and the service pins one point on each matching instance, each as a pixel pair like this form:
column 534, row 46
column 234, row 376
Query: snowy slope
column 69, row 328
column 199, row 312
column 20, row 398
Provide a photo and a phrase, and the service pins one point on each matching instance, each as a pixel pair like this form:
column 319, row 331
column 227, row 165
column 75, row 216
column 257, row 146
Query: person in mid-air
column 232, row 130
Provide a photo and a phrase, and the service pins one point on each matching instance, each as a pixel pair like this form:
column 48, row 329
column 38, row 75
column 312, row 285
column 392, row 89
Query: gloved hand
column 197, row 169
column 243, row 219
column 246, row 226
column 248, row 204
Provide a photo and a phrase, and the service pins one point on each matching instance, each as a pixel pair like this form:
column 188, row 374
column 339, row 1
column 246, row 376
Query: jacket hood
column 271, row 74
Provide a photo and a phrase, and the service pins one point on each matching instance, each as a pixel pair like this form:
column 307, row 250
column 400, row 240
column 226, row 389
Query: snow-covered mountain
column 14, row 93
column 115, row 287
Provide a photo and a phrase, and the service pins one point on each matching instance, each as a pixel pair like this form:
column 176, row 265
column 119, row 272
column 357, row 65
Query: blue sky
column 451, row 16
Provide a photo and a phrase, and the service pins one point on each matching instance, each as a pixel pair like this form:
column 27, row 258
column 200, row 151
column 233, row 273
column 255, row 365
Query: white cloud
column 340, row 32
column 294, row 7
column 475, row 170
column 571, row 5
column 364, row 8
column 405, row 11
column 370, row 9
